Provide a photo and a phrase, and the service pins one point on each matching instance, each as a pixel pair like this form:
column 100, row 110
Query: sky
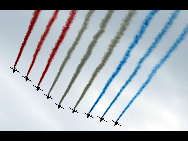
column 161, row 106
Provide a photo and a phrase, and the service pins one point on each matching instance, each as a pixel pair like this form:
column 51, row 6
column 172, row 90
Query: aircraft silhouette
column 116, row 123
column 38, row 88
column 89, row 115
column 14, row 69
column 101, row 118
column 73, row 110
column 26, row 78
column 47, row 96
column 59, row 106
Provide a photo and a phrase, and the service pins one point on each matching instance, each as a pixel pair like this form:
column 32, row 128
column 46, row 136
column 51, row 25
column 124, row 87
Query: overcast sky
column 161, row 106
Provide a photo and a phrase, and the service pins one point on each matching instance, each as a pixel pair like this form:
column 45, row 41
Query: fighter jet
column 47, row 96
column 116, row 123
column 38, row 88
column 59, row 106
column 101, row 118
column 26, row 78
column 73, row 110
column 88, row 115
column 14, row 69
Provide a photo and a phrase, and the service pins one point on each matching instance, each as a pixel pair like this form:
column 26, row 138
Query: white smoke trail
column 124, row 25
column 90, row 48
column 71, row 49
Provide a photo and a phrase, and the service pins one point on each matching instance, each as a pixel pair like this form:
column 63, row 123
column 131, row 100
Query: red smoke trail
column 59, row 41
column 32, row 23
column 42, row 39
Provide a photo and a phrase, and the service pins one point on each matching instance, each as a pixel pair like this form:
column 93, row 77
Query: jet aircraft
column 116, row 123
column 59, row 106
column 14, row 69
column 47, row 96
column 101, row 118
column 73, row 110
column 38, row 88
column 88, row 115
column 26, row 78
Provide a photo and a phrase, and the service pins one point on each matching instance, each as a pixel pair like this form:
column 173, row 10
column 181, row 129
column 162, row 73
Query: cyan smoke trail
column 154, row 70
column 142, row 30
column 149, row 51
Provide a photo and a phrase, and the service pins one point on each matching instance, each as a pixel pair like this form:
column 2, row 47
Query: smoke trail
column 86, row 56
column 142, row 30
column 72, row 15
column 154, row 70
column 124, row 25
column 69, row 53
column 32, row 24
column 149, row 51
column 42, row 39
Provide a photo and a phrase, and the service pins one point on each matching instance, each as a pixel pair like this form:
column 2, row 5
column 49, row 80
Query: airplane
column 101, row 118
column 26, row 78
column 116, row 123
column 47, row 96
column 73, row 110
column 14, row 69
column 88, row 115
column 58, row 105
column 38, row 88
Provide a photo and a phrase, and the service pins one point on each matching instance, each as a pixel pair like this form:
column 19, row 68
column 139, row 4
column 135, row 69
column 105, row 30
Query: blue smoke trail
column 142, row 30
column 149, row 51
column 154, row 70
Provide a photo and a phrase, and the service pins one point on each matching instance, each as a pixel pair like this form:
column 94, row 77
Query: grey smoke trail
column 71, row 49
column 124, row 25
column 90, row 48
